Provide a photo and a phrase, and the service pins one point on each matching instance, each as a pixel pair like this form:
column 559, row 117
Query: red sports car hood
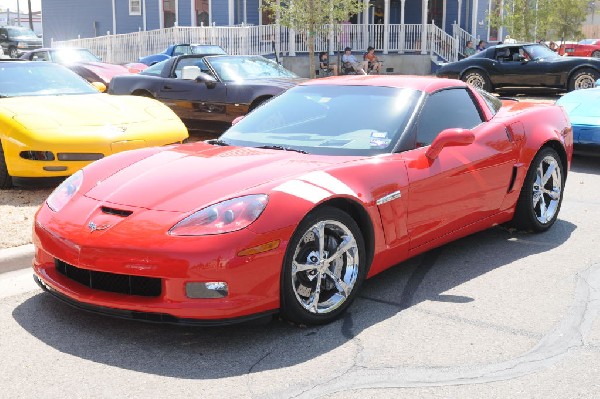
column 104, row 70
column 191, row 176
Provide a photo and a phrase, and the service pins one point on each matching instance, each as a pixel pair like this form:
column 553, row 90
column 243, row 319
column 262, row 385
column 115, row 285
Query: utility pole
column 18, row 13
column 30, row 15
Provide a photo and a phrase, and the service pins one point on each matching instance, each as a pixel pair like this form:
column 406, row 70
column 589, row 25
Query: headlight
column 224, row 217
column 22, row 45
column 65, row 191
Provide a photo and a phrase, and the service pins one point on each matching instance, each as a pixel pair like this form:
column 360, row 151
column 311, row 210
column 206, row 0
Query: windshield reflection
column 332, row 120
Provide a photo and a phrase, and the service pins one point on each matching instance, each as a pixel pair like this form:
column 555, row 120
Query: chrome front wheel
column 324, row 266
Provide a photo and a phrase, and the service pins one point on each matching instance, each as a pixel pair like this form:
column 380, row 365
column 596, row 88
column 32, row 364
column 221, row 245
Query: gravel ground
column 17, row 208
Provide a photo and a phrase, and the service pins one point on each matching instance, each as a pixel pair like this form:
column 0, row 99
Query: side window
column 453, row 108
column 194, row 61
column 41, row 56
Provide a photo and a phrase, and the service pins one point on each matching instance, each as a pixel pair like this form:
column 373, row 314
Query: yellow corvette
column 53, row 123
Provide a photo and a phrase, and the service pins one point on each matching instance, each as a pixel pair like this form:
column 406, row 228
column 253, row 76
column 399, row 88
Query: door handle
column 166, row 87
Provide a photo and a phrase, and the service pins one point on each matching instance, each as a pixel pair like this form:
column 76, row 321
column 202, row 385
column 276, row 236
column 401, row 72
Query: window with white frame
column 135, row 7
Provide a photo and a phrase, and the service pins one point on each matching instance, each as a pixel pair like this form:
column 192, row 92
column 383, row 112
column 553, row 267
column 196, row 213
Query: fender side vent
column 513, row 177
column 118, row 212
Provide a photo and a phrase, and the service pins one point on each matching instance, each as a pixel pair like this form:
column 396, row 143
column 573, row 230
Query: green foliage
column 311, row 16
column 531, row 20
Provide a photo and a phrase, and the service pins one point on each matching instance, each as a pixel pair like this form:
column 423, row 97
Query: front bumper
column 149, row 317
column 253, row 280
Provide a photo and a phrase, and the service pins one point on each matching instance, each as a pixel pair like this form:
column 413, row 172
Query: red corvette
column 295, row 205
column 585, row 48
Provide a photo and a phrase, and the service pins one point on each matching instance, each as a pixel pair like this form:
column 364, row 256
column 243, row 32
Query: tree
column 568, row 18
column 525, row 20
column 311, row 17
column 531, row 20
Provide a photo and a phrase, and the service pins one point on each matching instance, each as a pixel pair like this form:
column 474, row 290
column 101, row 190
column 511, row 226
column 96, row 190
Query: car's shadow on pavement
column 208, row 353
column 585, row 164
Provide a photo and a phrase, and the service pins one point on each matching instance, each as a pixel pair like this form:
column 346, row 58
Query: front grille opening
column 114, row 211
column 75, row 156
column 111, row 282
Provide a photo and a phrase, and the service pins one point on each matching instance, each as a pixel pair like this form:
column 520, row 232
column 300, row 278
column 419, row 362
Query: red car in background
column 84, row 63
column 585, row 48
column 328, row 183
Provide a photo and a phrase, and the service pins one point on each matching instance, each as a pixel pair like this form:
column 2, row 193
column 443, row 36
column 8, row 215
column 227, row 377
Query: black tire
column 538, row 204
column 257, row 103
column 583, row 79
column 477, row 79
column 596, row 54
column 338, row 277
column 12, row 52
column 142, row 93
column 5, row 178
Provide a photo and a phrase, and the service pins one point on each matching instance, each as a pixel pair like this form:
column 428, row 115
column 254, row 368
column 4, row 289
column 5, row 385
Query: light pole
column 18, row 13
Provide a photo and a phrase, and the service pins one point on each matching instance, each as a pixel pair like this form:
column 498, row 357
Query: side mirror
column 101, row 87
column 209, row 80
column 449, row 138
column 236, row 120
column 3, row 36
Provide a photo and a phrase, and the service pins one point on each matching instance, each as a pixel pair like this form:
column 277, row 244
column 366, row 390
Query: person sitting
column 480, row 46
column 324, row 64
column 469, row 49
column 350, row 61
column 373, row 63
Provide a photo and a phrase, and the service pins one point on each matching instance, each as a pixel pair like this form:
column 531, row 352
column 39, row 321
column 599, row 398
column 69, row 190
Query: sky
column 36, row 5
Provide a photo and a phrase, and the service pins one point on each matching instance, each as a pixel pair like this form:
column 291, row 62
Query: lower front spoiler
column 150, row 317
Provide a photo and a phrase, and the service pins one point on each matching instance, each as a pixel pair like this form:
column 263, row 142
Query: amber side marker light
column 269, row 246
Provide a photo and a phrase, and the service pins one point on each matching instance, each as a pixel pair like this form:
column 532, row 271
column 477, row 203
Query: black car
column 523, row 65
column 15, row 40
column 213, row 89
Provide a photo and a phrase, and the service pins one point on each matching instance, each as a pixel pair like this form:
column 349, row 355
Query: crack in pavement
column 569, row 334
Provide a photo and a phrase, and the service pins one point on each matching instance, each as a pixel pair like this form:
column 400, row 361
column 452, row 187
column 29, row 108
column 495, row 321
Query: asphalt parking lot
column 497, row 314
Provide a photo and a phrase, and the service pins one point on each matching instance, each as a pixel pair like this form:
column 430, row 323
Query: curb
column 16, row 258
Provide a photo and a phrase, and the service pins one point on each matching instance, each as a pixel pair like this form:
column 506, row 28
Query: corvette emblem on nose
column 93, row 227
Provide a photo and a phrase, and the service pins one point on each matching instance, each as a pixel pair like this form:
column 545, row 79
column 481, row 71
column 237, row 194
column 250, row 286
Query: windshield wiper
column 279, row 147
column 216, row 142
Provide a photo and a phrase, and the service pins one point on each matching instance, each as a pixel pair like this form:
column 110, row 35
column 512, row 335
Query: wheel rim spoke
column 549, row 173
column 341, row 286
column 313, row 302
column 302, row 267
column 344, row 247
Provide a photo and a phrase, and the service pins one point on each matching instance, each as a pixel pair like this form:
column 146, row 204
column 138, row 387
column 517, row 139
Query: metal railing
column 442, row 44
column 268, row 39
column 462, row 37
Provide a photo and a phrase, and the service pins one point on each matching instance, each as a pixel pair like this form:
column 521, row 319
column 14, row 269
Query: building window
column 135, row 7
column 169, row 14
column 202, row 16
